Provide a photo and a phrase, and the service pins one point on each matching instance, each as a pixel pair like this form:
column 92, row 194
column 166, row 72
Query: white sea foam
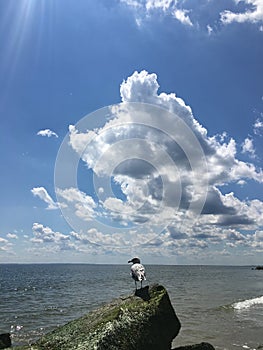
column 248, row 303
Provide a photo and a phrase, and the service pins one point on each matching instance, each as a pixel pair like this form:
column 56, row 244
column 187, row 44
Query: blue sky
column 61, row 65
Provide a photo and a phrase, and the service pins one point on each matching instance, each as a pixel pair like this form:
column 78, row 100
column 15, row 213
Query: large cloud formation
column 166, row 178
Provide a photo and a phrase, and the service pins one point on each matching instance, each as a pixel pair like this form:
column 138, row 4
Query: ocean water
column 221, row 305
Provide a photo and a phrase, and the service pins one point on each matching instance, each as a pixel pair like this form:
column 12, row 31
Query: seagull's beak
column 129, row 261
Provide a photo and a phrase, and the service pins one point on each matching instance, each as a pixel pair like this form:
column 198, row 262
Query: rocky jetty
column 144, row 321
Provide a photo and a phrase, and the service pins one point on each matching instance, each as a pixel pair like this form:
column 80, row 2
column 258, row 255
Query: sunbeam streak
column 23, row 22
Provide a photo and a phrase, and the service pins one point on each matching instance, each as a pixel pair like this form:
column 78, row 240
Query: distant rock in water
column 145, row 321
column 5, row 340
column 257, row 268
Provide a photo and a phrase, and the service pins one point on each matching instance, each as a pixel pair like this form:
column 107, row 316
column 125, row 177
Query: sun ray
column 23, row 28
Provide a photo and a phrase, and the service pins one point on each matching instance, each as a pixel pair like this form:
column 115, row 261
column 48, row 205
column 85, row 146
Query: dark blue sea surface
column 222, row 305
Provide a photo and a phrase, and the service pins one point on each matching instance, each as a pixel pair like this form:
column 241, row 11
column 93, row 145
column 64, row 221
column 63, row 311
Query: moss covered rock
column 146, row 321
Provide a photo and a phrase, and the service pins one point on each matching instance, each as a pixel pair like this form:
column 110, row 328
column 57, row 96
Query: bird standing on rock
column 137, row 271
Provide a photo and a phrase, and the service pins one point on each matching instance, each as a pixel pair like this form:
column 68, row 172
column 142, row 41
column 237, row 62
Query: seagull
column 137, row 271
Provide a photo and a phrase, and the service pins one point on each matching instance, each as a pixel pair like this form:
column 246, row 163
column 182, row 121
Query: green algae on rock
column 128, row 323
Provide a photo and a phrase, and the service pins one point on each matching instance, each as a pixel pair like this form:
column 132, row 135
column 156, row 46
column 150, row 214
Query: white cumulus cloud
column 193, row 16
column 166, row 7
column 162, row 174
column 42, row 193
column 77, row 201
column 181, row 16
column 47, row 133
column 258, row 127
column 253, row 13
column 44, row 234
column 248, row 147
column 5, row 246
column 12, row 236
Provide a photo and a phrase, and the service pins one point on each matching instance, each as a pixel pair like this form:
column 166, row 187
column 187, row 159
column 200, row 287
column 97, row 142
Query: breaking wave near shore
column 246, row 304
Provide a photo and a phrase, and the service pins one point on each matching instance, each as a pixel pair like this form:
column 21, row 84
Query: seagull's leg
column 135, row 284
column 141, row 284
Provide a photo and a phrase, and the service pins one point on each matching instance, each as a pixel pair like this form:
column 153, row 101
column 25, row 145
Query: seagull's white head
column 135, row 261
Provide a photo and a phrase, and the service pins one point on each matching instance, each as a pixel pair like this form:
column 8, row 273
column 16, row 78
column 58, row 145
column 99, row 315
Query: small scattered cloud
column 132, row 3
column 165, row 7
column 181, row 16
column 253, row 13
column 44, row 234
column 195, row 15
column 258, row 127
column 258, row 236
column 175, row 234
column 77, row 202
column 235, row 220
column 47, row 133
column 42, row 193
column 248, row 147
column 209, row 29
column 12, row 236
column 6, row 246
column 3, row 240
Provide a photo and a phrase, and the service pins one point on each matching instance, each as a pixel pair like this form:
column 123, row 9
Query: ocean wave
column 247, row 303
